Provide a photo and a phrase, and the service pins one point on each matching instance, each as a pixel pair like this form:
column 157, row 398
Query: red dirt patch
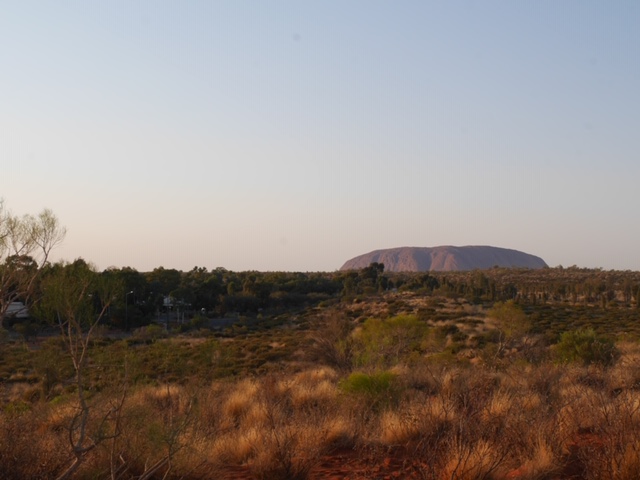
column 401, row 463
column 350, row 464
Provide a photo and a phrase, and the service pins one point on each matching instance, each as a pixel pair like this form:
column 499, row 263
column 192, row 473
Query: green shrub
column 383, row 343
column 510, row 319
column 378, row 389
column 586, row 346
column 28, row 330
column 52, row 364
column 482, row 339
column 443, row 331
column 198, row 322
column 16, row 407
column 150, row 332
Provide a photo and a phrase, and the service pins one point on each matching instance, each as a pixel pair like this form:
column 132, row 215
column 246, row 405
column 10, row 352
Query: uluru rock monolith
column 445, row 258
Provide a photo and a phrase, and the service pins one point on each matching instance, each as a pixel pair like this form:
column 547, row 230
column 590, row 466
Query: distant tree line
column 140, row 297
column 221, row 292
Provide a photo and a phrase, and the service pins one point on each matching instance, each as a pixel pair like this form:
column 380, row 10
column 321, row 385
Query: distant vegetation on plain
column 205, row 374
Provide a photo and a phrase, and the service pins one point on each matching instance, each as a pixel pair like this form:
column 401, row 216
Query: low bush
column 378, row 389
column 150, row 333
column 587, row 347
column 384, row 343
column 27, row 330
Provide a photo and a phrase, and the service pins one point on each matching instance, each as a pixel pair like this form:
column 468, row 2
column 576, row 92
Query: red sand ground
column 349, row 464
column 398, row 463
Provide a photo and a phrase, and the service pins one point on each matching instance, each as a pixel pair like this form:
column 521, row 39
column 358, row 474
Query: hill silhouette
column 445, row 258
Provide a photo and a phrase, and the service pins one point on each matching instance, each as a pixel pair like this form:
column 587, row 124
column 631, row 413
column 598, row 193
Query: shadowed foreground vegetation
column 496, row 374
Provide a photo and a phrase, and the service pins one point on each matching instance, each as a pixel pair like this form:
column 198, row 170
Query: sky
column 293, row 136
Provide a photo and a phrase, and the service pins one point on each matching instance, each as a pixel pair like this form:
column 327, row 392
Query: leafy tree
column 428, row 282
column 511, row 322
column 480, row 286
column 130, row 309
column 25, row 245
column 164, row 280
column 199, row 288
column 349, row 284
column 510, row 318
column 372, row 271
column 371, row 278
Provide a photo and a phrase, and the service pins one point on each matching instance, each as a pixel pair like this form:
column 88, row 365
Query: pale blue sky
column 295, row 135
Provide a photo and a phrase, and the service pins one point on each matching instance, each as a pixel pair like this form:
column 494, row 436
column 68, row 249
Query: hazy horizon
column 294, row 136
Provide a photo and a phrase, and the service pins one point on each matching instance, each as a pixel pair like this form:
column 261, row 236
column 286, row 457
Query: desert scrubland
column 496, row 374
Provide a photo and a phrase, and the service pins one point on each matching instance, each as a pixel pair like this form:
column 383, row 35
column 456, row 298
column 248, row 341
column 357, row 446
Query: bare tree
column 25, row 245
column 332, row 344
column 77, row 298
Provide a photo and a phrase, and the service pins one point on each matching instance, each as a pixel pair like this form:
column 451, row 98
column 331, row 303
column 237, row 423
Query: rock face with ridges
column 445, row 259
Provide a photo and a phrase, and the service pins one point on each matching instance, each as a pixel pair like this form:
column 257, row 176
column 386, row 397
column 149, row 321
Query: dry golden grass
column 256, row 415
column 397, row 428
column 463, row 422
column 630, row 408
column 542, row 463
column 286, row 454
column 278, row 424
column 313, row 387
column 501, row 403
column 471, row 461
column 305, row 395
column 283, row 435
column 626, row 466
column 58, row 417
column 236, row 447
column 316, row 375
column 18, row 391
column 340, row 431
column 162, row 397
column 240, row 399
